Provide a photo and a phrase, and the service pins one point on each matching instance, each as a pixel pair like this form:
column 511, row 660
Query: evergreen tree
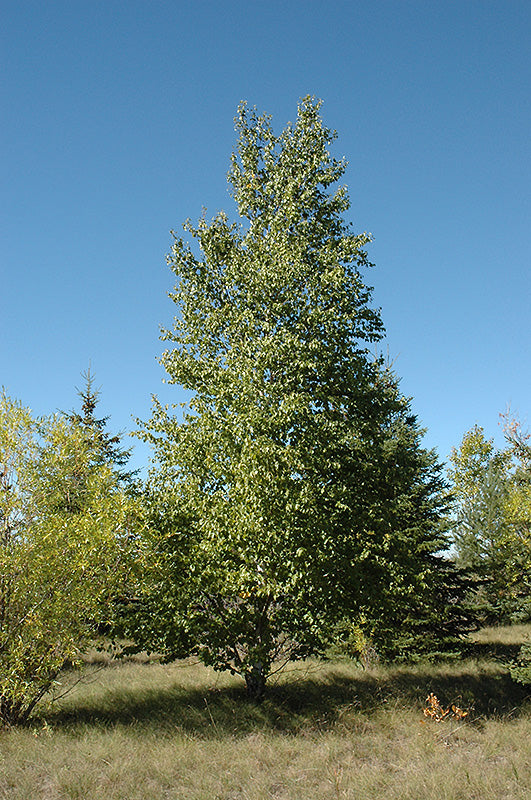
column 106, row 447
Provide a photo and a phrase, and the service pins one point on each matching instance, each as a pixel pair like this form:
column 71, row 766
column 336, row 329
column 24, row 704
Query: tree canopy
column 64, row 524
column 492, row 489
column 292, row 490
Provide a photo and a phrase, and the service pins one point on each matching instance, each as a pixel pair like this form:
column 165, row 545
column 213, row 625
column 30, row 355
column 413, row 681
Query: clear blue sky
column 117, row 125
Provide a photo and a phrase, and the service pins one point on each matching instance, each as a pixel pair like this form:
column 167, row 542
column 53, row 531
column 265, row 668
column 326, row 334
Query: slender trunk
column 255, row 680
column 256, row 674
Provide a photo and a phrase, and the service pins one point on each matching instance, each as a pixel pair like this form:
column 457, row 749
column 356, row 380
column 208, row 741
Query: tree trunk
column 255, row 680
column 10, row 711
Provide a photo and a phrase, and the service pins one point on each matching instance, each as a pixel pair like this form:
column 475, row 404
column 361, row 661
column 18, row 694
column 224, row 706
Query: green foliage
column 106, row 447
column 292, row 491
column 518, row 513
column 470, row 463
column 493, row 521
column 63, row 528
column 479, row 475
column 521, row 668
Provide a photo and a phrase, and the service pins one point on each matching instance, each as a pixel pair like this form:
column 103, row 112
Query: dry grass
column 503, row 634
column 142, row 731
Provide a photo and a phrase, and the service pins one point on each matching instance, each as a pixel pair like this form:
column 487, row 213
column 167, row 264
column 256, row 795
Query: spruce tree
column 106, row 447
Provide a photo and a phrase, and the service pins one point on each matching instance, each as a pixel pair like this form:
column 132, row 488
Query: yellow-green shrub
column 64, row 526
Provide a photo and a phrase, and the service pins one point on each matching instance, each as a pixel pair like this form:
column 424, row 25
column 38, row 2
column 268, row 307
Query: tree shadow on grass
column 497, row 651
column 487, row 693
column 309, row 703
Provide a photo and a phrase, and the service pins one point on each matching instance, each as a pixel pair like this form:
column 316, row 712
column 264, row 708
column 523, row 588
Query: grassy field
column 139, row 731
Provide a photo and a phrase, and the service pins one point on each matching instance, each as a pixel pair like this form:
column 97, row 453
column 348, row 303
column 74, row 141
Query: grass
column 138, row 731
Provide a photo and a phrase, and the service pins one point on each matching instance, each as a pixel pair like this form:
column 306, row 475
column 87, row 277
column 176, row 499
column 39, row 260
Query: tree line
column 291, row 506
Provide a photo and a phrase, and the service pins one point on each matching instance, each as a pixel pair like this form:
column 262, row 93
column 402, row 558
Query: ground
column 138, row 731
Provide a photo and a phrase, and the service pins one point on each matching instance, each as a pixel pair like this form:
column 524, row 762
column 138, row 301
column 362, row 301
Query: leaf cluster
column 492, row 521
column 64, row 531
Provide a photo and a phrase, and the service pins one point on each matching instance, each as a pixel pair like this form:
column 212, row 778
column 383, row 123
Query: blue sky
column 117, row 125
